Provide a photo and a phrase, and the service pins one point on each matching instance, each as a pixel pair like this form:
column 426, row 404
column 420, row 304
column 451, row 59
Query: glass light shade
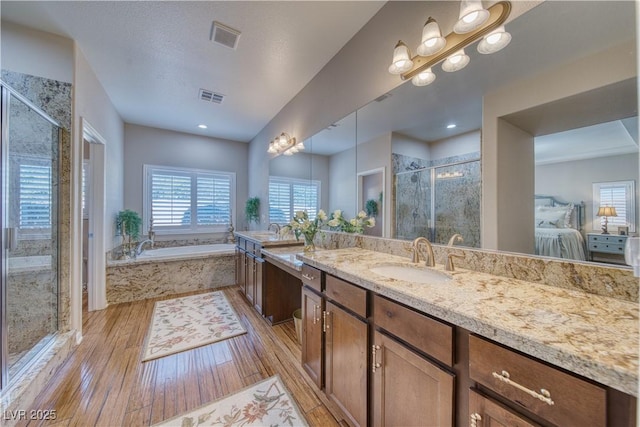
column 494, row 41
column 272, row 148
column 288, row 153
column 472, row 16
column 300, row 146
column 607, row 211
column 455, row 62
column 432, row 40
column 424, row 78
column 282, row 140
column 401, row 59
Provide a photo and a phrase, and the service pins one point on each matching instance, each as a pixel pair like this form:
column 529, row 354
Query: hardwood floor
column 104, row 383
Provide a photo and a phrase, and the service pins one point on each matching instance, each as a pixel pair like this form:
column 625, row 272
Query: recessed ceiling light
column 451, row 126
column 202, row 126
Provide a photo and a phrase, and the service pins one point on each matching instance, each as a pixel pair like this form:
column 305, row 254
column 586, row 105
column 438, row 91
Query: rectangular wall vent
column 224, row 35
column 211, row 96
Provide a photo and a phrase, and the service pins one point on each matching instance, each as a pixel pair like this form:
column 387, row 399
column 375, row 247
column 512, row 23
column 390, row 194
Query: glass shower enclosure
column 438, row 202
column 29, row 144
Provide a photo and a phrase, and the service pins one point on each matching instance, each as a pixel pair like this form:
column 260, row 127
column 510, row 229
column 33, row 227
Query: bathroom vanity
column 466, row 348
column 268, row 273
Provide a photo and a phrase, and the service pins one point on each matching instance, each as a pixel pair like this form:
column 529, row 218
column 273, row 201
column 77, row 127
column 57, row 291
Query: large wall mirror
column 418, row 150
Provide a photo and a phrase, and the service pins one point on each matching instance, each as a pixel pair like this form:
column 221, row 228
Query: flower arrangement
column 355, row 225
column 300, row 224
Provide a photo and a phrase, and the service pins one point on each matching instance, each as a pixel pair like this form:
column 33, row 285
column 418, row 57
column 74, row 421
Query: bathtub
column 170, row 271
column 182, row 252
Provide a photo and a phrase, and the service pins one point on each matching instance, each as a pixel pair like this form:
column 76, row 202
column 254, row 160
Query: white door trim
column 96, row 288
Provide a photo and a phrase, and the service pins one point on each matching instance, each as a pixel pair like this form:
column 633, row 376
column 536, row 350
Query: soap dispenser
column 632, row 254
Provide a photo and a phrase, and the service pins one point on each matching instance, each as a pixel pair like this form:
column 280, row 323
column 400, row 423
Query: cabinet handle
column 325, row 322
column 544, row 394
column 315, row 310
column 374, row 364
column 475, row 417
column 306, row 276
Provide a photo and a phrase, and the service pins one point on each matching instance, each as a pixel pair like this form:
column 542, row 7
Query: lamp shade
column 432, row 40
column 472, row 16
column 424, row 78
column 401, row 59
column 607, row 211
column 455, row 62
column 494, row 41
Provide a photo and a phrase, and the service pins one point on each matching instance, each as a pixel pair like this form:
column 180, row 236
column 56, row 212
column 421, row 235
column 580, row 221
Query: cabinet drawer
column 311, row 277
column 424, row 333
column 350, row 296
column 572, row 401
column 612, row 248
column 607, row 238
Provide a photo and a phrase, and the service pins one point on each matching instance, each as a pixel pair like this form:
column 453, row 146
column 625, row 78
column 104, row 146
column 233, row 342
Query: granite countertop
column 591, row 335
column 268, row 238
column 286, row 255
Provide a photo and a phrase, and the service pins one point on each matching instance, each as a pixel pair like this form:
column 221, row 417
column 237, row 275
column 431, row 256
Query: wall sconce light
column 606, row 211
column 446, row 175
column 475, row 23
column 284, row 144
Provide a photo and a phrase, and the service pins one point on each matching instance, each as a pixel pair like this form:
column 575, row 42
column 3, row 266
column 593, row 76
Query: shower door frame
column 6, row 92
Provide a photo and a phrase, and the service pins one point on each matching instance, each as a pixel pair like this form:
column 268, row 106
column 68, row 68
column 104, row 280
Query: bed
column 558, row 228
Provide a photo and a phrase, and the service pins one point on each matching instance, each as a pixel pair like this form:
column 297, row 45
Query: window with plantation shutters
column 620, row 195
column 35, row 194
column 288, row 195
column 187, row 200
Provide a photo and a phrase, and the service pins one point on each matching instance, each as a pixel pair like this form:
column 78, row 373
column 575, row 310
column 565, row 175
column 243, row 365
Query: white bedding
column 560, row 243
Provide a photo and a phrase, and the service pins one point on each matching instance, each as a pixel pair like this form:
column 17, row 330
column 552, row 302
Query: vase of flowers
column 300, row 224
column 354, row 225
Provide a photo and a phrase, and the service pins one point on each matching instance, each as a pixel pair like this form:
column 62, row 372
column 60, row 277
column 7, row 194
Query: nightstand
column 606, row 244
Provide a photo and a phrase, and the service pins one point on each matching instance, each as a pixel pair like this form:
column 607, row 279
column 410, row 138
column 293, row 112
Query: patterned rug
column 184, row 323
column 266, row 403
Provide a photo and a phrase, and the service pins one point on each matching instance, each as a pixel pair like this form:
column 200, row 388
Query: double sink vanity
column 393, row 342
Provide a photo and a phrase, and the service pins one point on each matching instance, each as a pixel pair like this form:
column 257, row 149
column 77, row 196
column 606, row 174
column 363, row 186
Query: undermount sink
column 411, row 273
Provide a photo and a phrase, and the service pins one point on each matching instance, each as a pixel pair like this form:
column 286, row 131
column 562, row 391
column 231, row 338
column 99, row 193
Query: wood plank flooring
column 104, row 382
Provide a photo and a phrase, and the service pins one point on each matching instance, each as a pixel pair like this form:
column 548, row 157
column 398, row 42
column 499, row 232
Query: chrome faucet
column 276, row 225
column 429, row 258
column 141, row 244
column 455, row 238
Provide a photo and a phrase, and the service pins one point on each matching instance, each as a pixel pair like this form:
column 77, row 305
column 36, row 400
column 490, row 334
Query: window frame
column 193, row 173
column 291, row 181
column 630, row 208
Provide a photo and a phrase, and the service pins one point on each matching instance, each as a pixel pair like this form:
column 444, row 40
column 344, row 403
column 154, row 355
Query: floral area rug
column 266, row 403
column 184, row 323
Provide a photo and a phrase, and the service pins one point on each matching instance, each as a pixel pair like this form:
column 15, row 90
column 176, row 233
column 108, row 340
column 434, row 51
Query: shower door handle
column 11, row 238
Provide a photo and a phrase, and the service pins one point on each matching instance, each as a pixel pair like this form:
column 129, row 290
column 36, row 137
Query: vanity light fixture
column 284, row 144
column 445, row 175
column 475, row 23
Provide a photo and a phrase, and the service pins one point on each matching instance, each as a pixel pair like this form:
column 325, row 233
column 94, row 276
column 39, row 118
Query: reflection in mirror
column 334, row 166
column 291, row 186
column 411, row 124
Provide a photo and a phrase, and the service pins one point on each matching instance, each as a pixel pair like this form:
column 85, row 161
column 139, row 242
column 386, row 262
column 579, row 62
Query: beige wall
column 342, row 182
column 146, row 145
column 503, row 172
column 373, row 155
column 455, row 146
column 411, row 147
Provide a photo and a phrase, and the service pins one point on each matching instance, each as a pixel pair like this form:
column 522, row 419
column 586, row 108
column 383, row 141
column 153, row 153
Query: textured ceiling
column 152, row 57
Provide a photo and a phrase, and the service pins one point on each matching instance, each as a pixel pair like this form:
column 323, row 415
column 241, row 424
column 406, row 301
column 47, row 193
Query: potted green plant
column 252, row 210
column 128, row 224
column 371, row 208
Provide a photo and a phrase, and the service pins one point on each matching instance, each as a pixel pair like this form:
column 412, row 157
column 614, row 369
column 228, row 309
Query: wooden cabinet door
column 346, row 363
column 250, row 278
column 258, row 296
column 241, row 268
column 312, row 308
column 408, row 390
column 485, row 412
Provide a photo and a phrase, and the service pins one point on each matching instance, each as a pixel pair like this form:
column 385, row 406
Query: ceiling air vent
column 211, row 96
column 224, row 35
column 382, row 97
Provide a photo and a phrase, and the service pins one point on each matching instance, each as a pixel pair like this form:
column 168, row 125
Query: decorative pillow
column 554, row 216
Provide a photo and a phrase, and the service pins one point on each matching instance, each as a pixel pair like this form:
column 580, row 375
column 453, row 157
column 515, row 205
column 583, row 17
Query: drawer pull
column 544, row 395
column 475, row 417
column 315, row 310
column 306, row 276
column 374, row 364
